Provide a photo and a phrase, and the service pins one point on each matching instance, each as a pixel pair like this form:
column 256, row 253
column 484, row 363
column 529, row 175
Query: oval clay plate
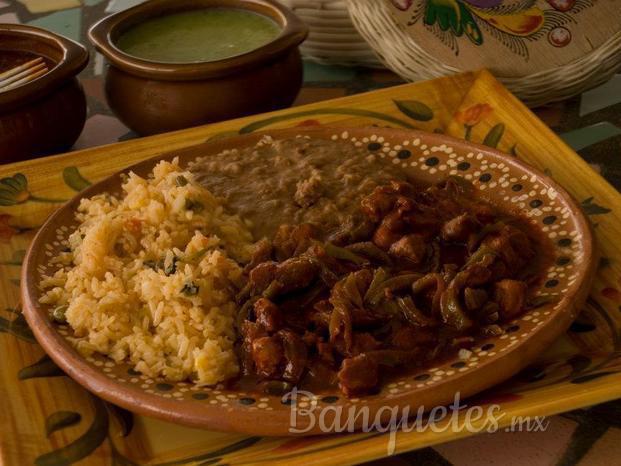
column 427, row 158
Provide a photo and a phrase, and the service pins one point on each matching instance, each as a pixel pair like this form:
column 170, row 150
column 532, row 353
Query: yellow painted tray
column 49, row 419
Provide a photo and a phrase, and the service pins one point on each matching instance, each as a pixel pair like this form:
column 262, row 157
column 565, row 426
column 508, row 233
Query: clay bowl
column 427, row 158
column 46, row 115
column 151, row 97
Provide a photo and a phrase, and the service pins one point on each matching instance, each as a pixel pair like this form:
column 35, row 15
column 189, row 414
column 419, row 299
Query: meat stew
column 412, row 276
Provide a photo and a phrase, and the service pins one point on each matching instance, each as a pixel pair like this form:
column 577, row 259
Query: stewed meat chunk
column 274, row 278
column 267, row 314
column 267, row 354
column 410, row 247
column 293, row 240
column 358, row 375
column 510, row 295
column 460, row 228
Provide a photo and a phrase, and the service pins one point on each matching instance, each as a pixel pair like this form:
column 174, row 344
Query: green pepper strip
column 451, row 309
column 242, row 314
column 344, row 254
column 58, row 314
column 483, row 254
column 379, row 276
column 340, row 322
column 411, row 313
column 392, row 284
column 486, row 230
column 272, row 290
column 371, row 251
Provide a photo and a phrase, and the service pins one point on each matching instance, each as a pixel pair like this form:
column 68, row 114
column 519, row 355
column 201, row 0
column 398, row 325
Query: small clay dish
column 154, row 97
column 426, row 158
column 45, row 115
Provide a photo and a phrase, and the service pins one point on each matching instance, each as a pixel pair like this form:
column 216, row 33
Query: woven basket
column 399, row 51
column 332, row 39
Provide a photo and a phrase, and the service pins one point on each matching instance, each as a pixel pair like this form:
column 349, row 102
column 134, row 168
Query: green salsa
column 198, row 35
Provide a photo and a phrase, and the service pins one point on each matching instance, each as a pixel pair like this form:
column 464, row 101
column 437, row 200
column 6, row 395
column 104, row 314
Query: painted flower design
column 6, row 230
column 472, row 116
column 14, row 190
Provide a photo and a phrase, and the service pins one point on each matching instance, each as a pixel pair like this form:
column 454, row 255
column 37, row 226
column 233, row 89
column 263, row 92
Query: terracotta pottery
column 426, row 158
column 151, row 97
column 45, row 115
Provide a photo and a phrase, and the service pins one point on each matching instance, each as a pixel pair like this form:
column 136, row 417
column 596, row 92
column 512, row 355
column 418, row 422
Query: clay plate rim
column 237, row 419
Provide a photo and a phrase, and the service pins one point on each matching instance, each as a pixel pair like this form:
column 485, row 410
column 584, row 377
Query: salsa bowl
column 153, row 97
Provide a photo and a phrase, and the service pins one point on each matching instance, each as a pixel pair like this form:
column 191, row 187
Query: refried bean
column 296, row 180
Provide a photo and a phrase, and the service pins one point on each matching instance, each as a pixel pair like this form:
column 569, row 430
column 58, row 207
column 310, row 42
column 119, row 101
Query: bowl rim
column 254, row 423
column 102, row 36
column 74, row 59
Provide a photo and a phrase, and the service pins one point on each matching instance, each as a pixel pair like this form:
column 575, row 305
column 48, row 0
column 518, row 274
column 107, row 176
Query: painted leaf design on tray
column 495, row 135
column 221, row 135
column 415, row 109
column 513, row 151
column 18, row 328
column 604, row 262
column 532, row 374
column 581, row 327
column 44, row 367
column 74, row 179
column 14, row 190
column 215, row 456
column 590, row 377
column 255, row 125
column 295, row 444
column 592, row 208
column 16, row 258
column 578, row 363
column 82, row 446
column 124, row 418
column 61, row 419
